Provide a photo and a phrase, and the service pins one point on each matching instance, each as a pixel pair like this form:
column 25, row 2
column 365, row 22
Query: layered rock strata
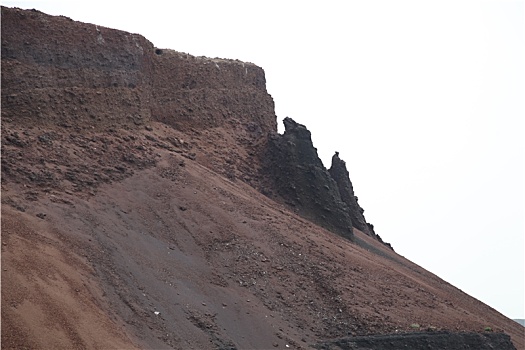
column 81, row 76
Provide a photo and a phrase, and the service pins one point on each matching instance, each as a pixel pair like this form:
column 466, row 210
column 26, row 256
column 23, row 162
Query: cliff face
column 67, row 73
column 103, row 77
column 132, row 213
column 84, row 77
column 299, row 177
column 200, row 92
column 340, row 174
column 76, row 75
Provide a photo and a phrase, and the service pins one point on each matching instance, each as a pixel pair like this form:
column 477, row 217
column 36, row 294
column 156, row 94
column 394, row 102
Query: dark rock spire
column 340, row 175
column 300, row 179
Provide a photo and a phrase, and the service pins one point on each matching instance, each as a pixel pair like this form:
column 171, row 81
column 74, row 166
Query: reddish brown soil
column 127, row 232
column 221, row 263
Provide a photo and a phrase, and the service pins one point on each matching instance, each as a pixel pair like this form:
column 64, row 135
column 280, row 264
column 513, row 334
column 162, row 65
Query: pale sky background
column 424, row 100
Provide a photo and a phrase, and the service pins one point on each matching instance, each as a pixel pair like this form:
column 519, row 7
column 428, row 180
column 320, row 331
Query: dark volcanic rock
column 340, row 174
column 301, row 180
column 417, row 341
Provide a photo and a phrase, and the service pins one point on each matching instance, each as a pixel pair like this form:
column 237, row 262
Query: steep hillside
column 146, row 203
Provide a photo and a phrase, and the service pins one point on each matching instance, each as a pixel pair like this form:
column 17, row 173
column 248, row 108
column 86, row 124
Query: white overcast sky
column 424, row 100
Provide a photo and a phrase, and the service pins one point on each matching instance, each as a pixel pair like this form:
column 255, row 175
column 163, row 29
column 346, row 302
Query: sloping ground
column 50, row 299
column 127, row 221
column 174, row 255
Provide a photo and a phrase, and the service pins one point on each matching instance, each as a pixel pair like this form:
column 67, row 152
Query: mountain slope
column 217, row 260
column 132, row 214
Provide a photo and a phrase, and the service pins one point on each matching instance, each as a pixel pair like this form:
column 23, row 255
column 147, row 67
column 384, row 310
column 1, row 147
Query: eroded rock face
column 202, row 93
column 89, row 75
column 111, row 181
column 341, row 176
column 89, row 78
column 57, row 71
column 299, row 177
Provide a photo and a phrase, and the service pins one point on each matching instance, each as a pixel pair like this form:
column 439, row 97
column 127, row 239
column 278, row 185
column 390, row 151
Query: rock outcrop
column 432, row 340
column 61, row 72
column 104, row 77
column 81, row 76
column 127, row 221
column 295, row 174
column 341, row 176
column 300, row 179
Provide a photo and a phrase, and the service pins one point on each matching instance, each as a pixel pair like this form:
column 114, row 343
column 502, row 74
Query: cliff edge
column 84, row 77
column 81, row 76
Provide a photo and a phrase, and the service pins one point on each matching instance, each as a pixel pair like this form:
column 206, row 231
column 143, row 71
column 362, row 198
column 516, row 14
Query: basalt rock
column 300, row 179
column 341, row 176
column 416, row 341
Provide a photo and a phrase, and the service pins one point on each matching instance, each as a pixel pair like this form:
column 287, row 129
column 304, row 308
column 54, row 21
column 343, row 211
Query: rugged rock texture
column 340, row 174
column 123, row 224
column 299, row 177
column 200, row 93
column 222, row 104
column 73, row 74
column 86, row 77
column 417, row 341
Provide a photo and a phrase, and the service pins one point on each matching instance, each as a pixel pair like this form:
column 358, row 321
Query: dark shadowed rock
column 340, row 174
column 300, row 179
column 417, row 341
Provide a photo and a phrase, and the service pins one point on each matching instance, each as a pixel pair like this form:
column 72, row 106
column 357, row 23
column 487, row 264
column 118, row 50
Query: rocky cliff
column 300, row 179
column 133, row 213
column 76, row 75
column 82, row 76
column 339, row 173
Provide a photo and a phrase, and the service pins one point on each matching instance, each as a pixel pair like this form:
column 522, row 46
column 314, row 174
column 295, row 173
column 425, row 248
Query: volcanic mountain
column 149, row 202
